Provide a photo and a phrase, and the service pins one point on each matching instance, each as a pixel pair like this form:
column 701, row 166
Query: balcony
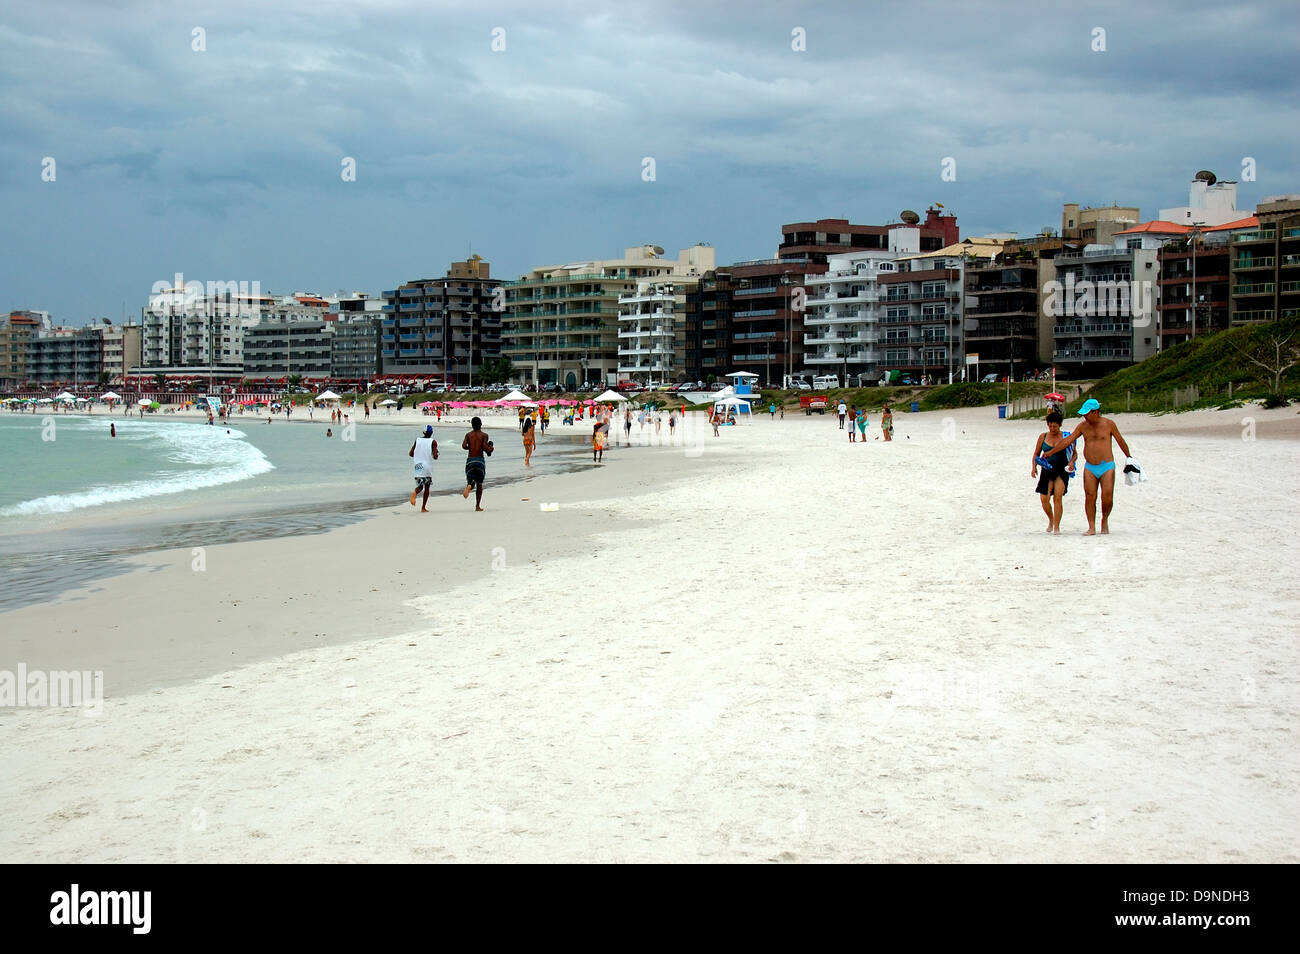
column 1092, row 354
column 1263, row 261
column 1077, row 329
column 1259, row 288
column 1259, row 235
column 1253, row 316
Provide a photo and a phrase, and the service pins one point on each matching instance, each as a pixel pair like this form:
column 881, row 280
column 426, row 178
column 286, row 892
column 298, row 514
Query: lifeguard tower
column 742, row 383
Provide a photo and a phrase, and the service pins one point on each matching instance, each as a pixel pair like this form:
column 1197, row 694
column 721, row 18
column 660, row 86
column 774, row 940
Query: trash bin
column 916, row 406
column 1002, row 411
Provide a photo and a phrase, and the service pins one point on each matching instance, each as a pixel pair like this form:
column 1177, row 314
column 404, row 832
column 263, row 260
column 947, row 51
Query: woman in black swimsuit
column 1058, row 468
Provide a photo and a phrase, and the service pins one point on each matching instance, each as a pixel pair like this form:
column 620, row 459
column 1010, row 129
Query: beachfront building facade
column 1001, row 315
column 922, row 331
column 831, row 336
column 652, row 331
column 187, row 331
column 1096, row 226
column 443, row 328
column 354, row 347
column 767, row 323
column 707, row 312
column 16, row 329
column 561, row 322
column 65, row 357
column 279, row 348
column 1265, row 264
column 1100, row 288
column 121, row 348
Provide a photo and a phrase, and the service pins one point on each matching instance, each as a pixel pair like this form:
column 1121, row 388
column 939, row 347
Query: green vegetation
column 1251, row 360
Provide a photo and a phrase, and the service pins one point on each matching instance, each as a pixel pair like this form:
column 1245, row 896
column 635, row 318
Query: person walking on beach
column 423, row 453
column 599, row 435
column 1058, row 468
column 862, row 425
column 1098, row 462
column 843, row 411
column 627, row 427
column 887, row 423
column 530, row 441
column 672, row 424
column 479, row 448
column 852, row 422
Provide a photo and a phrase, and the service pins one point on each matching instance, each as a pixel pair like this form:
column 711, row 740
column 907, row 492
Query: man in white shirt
column 843, row 410
column 423, row 452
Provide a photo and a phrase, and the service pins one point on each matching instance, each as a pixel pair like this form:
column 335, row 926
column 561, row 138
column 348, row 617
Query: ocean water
column 75, row 502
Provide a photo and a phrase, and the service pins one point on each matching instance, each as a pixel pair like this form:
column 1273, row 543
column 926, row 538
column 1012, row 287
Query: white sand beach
column 778, row 646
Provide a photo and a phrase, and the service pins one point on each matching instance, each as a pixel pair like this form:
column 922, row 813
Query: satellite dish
column 908, row 216
column 1206, row 176
column 658, row 249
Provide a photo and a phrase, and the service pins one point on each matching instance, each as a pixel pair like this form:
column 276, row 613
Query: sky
column 211, row 139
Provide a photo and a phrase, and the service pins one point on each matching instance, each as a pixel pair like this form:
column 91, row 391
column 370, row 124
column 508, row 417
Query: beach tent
column 65, row 396
column 609, row 396
column 387, row 402
column 514, row 395
column 731, row 402
column 327, row 396
column 110, row 396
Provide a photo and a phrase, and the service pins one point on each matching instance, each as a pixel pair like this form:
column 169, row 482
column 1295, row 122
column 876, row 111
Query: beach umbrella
column 1055, row 397
column 154, row 404
column 609, row 396
column 389, row 401
column 65, row 396
column 425, row 404
column 110, row 396
column 327, row 396
column 514, row 395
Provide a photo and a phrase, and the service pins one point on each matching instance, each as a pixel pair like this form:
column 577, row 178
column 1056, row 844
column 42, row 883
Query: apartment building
column 1002, row 318
column 1096, row 226
column 652, row 330
column 1264, row 267
column 278, row 348
column 707, row 311
column 121, row 350
column 561, row 322
column 444, row 327
column 16, row 329
column 65, row 357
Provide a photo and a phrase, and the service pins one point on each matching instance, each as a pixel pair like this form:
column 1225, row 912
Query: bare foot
column 478, row 509
column 424, row 510
column 413, row 498
column 1104, row 528
column 1091, row 532
column 1056, row 530
column 465, row 493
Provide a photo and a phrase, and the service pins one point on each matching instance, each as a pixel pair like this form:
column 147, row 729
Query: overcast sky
column 225, row 163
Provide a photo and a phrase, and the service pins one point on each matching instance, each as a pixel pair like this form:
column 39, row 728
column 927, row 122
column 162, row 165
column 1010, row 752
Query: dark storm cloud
column 534, row 155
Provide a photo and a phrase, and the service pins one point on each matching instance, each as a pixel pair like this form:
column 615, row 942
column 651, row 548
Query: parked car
column 989, row 378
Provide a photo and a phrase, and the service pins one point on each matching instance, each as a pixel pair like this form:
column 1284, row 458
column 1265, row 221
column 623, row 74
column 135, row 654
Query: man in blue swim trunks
column 1099, row 462
column 479, row 447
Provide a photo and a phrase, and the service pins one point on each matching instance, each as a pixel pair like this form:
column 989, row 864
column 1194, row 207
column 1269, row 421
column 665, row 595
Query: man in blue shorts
column 479, row 448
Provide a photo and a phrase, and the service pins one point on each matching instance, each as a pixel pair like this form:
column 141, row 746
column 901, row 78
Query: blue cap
column 428, row 430
column 1089, row 405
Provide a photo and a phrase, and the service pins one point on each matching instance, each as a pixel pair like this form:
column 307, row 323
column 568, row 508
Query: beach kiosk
column 742, row 382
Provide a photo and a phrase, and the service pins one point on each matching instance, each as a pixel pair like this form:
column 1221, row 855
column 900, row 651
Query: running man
column 424, row 452
column 1098, row 462
column 478, row 445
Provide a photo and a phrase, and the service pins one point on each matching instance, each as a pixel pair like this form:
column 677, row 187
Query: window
column 1134, row 243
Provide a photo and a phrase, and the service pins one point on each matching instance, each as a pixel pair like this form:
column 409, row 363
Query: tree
column 1277, row 353
column 103, row 379
column 159, row 380
column 493, row 370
